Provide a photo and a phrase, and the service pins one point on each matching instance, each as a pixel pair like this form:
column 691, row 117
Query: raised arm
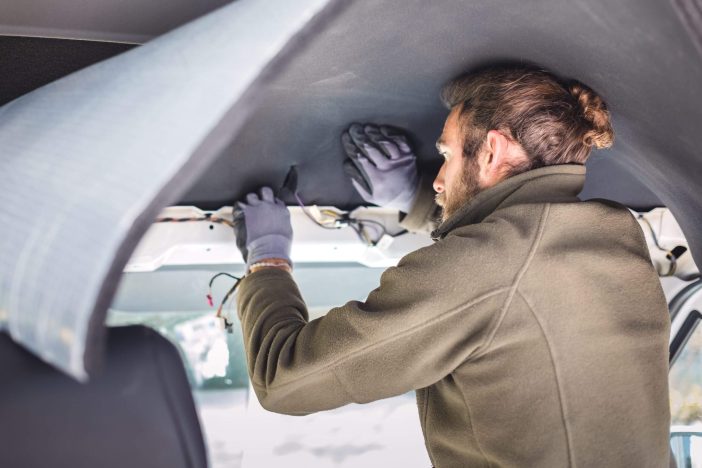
column 414, row 329
column 408, row 334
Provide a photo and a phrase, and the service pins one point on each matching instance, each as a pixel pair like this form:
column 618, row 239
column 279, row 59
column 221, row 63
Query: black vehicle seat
column 137, row 412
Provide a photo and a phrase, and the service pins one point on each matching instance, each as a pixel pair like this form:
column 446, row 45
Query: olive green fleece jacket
column 534, row 331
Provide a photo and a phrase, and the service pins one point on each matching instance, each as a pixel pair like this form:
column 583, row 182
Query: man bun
column 594, row 111
column 555, row 120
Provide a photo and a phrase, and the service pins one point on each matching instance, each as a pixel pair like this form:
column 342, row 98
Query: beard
column 468, row 187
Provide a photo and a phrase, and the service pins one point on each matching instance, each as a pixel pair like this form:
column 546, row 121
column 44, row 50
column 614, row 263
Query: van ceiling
column 385, row 61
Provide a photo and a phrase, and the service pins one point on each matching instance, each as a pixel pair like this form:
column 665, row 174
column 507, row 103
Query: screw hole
column 211, row 227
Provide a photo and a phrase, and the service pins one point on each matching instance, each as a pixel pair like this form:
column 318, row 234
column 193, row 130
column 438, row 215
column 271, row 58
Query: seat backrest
column 137, row 412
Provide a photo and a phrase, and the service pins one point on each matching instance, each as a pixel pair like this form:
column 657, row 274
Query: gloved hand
column 381, row 165
column 262, row 227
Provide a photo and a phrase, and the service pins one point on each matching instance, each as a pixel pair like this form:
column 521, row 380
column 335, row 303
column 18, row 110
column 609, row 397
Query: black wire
column 370, row 221
column 653, row 233
column 227, row 324
column 230, row 292
column 360, row 231
column 382, row 227
column 356, row 224
column 222, row 274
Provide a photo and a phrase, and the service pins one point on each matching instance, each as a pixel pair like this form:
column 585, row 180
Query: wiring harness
column 324, row 218
column 332, row 219
column 208, row 217
column 225, row 318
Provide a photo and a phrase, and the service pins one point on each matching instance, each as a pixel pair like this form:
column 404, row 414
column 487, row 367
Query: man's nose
column 439, row 181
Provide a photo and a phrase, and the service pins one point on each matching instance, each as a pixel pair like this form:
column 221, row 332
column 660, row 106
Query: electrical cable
column 339, row 217
column 671, row 255
column 342, row 220
column 227, row 324
column 208, row 217
column 333, row 220
column 653, row 233
column 361, row 233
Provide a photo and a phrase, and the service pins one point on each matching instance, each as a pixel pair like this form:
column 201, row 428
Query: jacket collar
column 556, row 183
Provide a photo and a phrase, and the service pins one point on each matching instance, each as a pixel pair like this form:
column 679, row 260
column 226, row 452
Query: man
column 534, row 330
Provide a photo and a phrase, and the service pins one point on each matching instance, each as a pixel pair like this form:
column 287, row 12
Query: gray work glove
column 381, row 165
column 262, row 227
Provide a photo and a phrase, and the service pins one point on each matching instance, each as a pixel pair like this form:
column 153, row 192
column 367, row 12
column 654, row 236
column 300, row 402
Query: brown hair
column 555, row 122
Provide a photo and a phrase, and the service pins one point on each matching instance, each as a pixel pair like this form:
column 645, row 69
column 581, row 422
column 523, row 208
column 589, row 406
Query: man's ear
column 496, row 151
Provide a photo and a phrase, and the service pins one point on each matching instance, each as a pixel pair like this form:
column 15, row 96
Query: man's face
column 458, row 180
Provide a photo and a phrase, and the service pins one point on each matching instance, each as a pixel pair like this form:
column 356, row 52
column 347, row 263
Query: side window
column 686, row 392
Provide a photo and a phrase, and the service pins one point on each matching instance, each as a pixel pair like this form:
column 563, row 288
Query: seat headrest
column 138, row 411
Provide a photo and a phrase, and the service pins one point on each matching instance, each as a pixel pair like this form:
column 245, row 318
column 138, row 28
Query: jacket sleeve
column 425, row 213
column 421, row 323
